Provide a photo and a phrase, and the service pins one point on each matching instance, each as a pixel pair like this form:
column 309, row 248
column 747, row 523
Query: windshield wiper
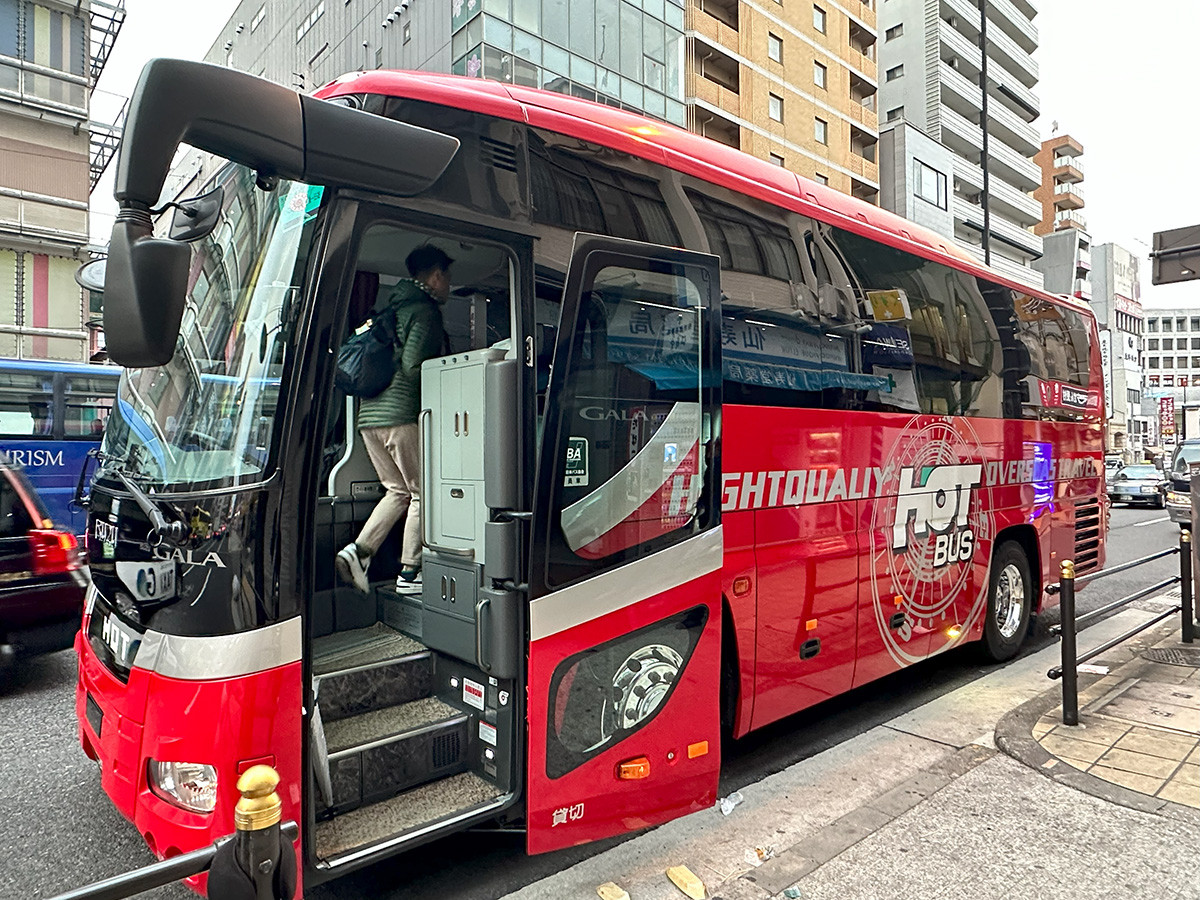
column 174, row 532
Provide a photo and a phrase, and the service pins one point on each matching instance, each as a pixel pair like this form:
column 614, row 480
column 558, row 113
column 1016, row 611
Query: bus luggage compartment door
column 624, row 657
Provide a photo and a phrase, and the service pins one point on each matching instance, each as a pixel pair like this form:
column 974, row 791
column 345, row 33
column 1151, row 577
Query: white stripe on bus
column 625, row 586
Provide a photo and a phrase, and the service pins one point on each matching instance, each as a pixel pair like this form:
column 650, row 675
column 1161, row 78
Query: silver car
column 1138, row 484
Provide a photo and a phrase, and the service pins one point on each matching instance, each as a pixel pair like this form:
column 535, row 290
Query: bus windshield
column 208, row 414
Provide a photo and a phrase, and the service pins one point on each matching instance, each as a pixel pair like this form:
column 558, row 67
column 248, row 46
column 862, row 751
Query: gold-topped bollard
column 1185, row 586
column 1070, row 676
column 260, row 807
column 259, row 862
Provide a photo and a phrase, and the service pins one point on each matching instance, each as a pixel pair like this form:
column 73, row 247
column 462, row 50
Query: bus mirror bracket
column 145, row 290
column 197, row 217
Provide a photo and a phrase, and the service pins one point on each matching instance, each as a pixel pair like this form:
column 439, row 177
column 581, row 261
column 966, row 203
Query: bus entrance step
column 376, row 755
column 377, row 686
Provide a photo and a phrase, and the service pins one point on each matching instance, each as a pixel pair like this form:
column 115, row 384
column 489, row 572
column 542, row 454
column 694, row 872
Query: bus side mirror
column 145, row 291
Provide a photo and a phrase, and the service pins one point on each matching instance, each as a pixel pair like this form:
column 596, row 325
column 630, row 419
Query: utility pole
column 983, row 123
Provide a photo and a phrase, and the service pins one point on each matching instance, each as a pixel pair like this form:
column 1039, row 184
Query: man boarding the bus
column 388, row 422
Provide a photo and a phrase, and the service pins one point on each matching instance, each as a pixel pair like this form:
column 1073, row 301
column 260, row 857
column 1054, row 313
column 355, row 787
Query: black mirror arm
column 161, row 530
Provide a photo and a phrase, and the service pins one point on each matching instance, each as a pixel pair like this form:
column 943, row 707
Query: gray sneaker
column 353, row 568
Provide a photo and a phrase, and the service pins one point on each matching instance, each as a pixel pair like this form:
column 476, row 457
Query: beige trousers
column 395, row 453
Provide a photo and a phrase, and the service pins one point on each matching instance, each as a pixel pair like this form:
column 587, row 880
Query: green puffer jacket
column 419, row 336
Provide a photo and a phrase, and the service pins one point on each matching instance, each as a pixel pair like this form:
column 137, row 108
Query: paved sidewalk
column 927, row 807
column 1138, row 738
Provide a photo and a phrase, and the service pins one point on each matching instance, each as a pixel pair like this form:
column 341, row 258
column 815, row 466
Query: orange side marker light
column 700, row 748
column 633, row 769
column 810, row 625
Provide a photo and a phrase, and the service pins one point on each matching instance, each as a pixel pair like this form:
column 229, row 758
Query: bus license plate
column 149, row 580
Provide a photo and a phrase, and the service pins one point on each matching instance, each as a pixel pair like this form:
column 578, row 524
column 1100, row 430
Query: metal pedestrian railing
column 1068, row 670
column 256, row 862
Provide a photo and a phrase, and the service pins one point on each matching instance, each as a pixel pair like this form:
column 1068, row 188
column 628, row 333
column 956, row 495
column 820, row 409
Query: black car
column 41, row 573
column 1138, row 484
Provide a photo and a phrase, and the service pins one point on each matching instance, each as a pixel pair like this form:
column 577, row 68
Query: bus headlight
column 191, row 786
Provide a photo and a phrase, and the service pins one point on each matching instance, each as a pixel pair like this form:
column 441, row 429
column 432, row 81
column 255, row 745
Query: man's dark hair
column 426, row 258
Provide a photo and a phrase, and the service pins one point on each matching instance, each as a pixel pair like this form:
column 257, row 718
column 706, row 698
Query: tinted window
column 924, row 327
column 88, row 401
column 581, row 195
column 26, row 404
column 14, row 517
column 633, row 439
column 745, row 242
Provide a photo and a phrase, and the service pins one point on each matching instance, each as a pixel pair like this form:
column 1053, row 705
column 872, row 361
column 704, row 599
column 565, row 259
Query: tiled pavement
column 1138, row 728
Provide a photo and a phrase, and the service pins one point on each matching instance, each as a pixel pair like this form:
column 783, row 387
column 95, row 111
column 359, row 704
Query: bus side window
column 88, row 402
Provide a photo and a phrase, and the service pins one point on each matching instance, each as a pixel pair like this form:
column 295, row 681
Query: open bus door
column 624, row 658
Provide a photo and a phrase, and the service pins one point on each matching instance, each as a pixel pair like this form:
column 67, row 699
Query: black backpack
column 366, row 363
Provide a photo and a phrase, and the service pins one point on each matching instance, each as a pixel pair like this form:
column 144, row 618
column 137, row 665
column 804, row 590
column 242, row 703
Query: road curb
column 1014, row 736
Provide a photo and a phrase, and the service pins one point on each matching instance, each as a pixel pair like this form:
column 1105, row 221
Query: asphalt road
column 58, row 830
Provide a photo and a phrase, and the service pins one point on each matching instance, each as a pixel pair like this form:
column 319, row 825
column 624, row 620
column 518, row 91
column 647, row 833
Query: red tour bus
column 710, row 444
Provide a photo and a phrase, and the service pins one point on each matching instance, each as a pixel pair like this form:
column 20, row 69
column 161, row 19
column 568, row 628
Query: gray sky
column 1111, row 79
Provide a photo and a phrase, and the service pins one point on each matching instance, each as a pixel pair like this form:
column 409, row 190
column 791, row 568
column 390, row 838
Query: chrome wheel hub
column 1010, row 601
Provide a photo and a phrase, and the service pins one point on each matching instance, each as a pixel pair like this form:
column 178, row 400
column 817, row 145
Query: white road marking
column 1151, row 522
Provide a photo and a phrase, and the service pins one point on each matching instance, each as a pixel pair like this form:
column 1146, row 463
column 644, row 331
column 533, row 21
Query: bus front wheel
column 1010, row 599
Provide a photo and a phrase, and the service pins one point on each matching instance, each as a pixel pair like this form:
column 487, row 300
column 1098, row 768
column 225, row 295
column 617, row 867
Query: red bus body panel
column 591, row 802
column 229, row 724
column 824, row 566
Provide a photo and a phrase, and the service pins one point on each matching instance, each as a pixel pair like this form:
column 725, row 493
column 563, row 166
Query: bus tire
column 1010, row 600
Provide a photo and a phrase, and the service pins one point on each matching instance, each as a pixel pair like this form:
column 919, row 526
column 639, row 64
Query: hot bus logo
column 934, row 527
column 937, row 500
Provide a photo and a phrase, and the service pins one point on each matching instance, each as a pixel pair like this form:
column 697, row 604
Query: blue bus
column 51, row 415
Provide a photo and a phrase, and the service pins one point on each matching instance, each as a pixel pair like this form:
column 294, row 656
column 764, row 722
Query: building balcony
column 44, row 88
column 1012, row 129
column 1008, row 53
column 1069, row 218
column 865, row 169
column 1065, row 145
column 1082, row 288
column 864, row 115
column 1005, row 199
column 956, row 43
column 716, row 22
column 1068, row 196
column 971, row 215
column 1084, row 263
column 1013, row 22
column 1009, row 91
column 863, row 10
column 959, row 92
column 1067, row 169
column 714, row 94
column 712, row 124
column 1022, row 274
column 965, row 138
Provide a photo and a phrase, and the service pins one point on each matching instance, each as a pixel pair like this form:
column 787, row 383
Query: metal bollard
column 1070, row 677
column 259, row 863
column 1185, row 585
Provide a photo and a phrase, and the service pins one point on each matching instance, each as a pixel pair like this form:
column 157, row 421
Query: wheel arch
column 1026, row 537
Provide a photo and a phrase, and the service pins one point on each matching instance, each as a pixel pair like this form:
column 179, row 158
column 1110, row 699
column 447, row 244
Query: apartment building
column 51, row 155
column 1116, row 301
column 792, row 83
column 930, row 64
column 1061, row 192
